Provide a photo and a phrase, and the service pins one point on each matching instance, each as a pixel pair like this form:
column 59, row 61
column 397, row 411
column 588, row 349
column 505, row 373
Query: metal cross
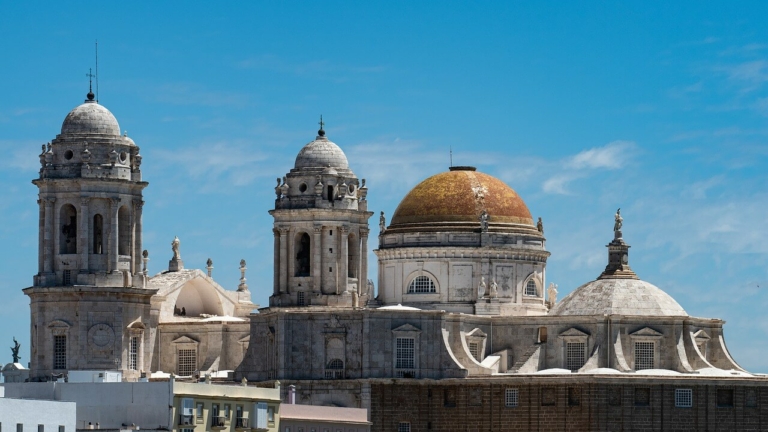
column 321, row 122
column 90, row 76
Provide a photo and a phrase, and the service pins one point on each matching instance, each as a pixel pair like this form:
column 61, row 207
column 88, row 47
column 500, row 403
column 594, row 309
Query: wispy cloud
column 20, row 155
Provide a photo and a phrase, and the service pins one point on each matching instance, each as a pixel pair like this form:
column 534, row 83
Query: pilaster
column 317, row 258
column 283, row 260
column 114, row 239
column 343, row 260
column 83, row 239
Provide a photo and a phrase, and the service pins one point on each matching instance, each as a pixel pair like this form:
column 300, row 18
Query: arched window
column 422, row 284
column 124, row 231
column 530, row 288
column 98, row 234
column 334, row 369
column 68, row 239
column 352, row 255
column 302, row 255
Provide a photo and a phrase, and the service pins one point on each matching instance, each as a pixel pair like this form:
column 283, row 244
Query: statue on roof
column 540, row 226
column 618, row 221
column 175, row 247
column 484, row 221
column 382, row 222
column 15, row 350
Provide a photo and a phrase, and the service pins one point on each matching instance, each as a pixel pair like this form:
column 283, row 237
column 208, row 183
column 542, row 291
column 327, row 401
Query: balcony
column 241, row 424
column 186, row 420
column 218, row 422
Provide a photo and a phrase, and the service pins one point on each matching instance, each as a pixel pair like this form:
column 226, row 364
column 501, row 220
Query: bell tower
column 89, row 250
column 321, row 230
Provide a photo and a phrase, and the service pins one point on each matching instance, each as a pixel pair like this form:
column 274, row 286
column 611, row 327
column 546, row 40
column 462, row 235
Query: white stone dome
column 618, row 297
column 321, row 153
column 90, row 118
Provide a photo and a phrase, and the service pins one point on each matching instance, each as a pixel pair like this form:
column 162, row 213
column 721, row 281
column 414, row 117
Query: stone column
column 49, row 231
column 343, row 260
column 283, row 260
column 114, row 235
column 83, row 242
column 317, row 258
column 276, row 264
column 40, row 237
column 138, row 206
column 362, row 276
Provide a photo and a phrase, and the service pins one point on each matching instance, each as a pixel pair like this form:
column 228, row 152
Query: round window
column 123, row 156
column 351, row 188
column 303, row 187
column 68, row 154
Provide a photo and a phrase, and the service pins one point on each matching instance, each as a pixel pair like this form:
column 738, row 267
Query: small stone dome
column 618, row 297
column 90, row 118
column 321, row 153
column 461, row 195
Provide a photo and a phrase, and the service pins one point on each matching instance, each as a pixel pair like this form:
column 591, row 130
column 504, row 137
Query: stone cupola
column 321, row 230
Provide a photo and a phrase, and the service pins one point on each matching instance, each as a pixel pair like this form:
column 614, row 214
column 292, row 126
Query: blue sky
column 657, row 108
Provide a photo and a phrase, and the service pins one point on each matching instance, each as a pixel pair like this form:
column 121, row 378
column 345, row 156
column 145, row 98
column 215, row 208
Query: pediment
column 477, row 333
column 701, row 335
column 184, row 339
column 406, row 328
column 137, row 325
column 573, row 332
column 647, row 332
column 59, row 324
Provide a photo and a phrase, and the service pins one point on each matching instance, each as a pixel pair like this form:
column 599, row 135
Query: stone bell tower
column 88, row 301
column 321, row 230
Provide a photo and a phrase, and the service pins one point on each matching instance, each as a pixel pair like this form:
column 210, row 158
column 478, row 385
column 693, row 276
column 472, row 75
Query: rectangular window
column 725, row 398
column 61, row 428
column 575, row 353
column 511, row 397
column 199, row 412
column 642, row 396
column 226, row 410
column 271, row 414
column 59, row 352
column 405, row 355
column 187, row 362
column 644, row 355
column 473, row 350
column 133, row 355
column 40, row 428
column 19, row 427
column 574, row 396
column 404, row 427
column 67, row 277
column 260, row 409
column 683, row 398
column 300, row 298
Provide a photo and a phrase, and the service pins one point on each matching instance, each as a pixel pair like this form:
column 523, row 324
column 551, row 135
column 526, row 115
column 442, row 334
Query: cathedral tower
column 88, row 301
column 321, row 230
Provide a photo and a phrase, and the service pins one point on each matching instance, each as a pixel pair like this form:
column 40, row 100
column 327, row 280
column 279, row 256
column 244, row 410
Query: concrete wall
column 32, row 413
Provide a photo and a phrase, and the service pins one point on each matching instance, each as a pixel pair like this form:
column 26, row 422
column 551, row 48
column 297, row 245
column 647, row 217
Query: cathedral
column 459, row 332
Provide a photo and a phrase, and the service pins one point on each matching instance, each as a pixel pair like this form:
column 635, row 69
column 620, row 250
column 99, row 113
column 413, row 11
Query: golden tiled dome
column 458, row 198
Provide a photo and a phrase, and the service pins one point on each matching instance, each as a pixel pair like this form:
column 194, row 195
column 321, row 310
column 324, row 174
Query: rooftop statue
column 15, row 350
column 175, row 247
column 619, row 221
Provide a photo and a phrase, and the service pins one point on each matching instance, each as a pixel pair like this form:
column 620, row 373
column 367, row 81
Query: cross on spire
column 321, row 132
column 90, row 76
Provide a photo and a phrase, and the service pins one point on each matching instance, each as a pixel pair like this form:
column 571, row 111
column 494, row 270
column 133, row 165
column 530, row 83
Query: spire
column 321, row 132
column 618, row 254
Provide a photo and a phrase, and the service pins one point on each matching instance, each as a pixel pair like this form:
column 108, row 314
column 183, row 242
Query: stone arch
column 533, row 286
column 123, row 231
column 412, row 281
column 303, row 248
column 68, row 231
column 196, row 298
column 98, row 234
column 353, row 255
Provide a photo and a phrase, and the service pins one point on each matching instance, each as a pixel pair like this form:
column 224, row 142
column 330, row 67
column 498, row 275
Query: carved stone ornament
column 101, row 335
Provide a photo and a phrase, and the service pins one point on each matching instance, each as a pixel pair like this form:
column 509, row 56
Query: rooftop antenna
column 450, row 151
column 97, row 71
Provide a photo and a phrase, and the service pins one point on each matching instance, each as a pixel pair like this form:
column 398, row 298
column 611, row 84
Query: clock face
column 624, row 259
column 101, row 335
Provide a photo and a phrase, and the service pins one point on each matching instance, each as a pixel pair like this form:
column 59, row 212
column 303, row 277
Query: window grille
column 511, row 397
column 59, row 352
column 300, row 298
column 334, row 369
column 422, row 284
column 404, row 427
column 67, row 277
column 575, row 354
column 405, row 354
column 133, row 357
column 644, row 355
column 473, row 350
column 683, row 398
column 530, row 288
column 187, row 362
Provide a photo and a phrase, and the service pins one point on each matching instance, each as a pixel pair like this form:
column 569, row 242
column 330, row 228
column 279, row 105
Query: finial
column 209, row 266
column 90, row 76
column 242, row 286
column 321, row 132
